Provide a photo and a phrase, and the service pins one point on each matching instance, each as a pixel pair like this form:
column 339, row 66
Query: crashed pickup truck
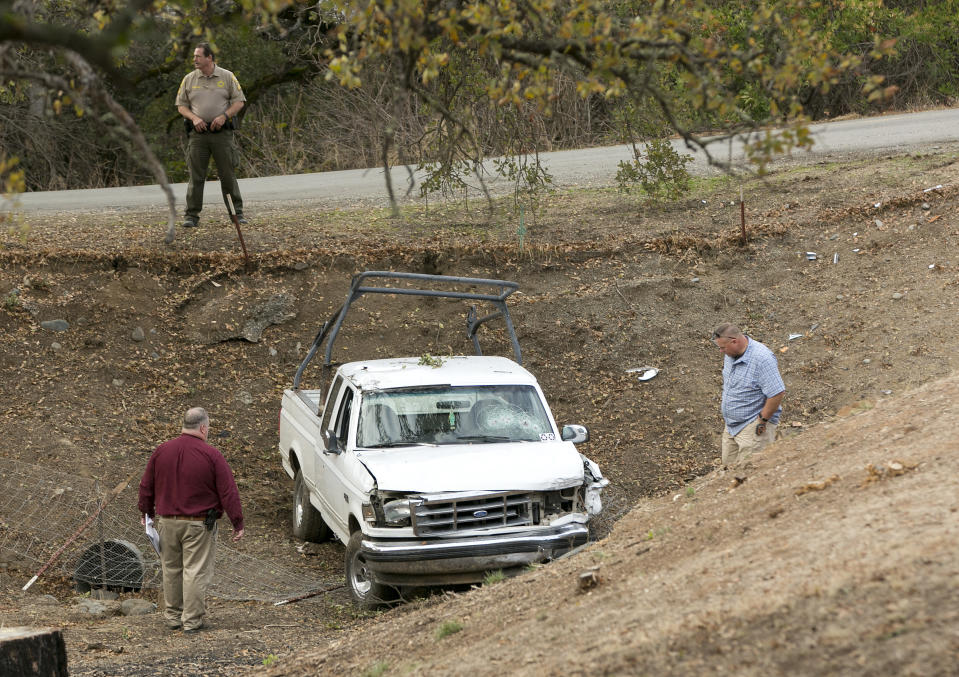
column 434, row 471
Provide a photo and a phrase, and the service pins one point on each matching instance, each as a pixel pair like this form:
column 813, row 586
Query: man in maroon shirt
column 184, row 480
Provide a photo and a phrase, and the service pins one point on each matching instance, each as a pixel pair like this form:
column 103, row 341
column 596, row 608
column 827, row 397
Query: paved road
column 587, row 167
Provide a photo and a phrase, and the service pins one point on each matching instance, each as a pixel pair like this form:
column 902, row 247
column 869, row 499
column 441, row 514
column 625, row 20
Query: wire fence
column 54, row 521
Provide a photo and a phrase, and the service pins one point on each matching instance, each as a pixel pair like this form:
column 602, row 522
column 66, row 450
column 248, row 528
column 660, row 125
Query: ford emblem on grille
column 480, row 513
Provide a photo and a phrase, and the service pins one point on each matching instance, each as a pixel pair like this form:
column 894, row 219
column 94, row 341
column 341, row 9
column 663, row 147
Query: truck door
column 334, row 484
column 316, row 464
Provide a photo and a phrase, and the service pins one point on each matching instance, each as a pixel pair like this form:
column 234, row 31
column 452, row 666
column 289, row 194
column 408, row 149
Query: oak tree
column 687, row 62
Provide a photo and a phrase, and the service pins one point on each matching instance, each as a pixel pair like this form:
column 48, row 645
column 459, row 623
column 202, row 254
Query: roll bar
column 498, row 291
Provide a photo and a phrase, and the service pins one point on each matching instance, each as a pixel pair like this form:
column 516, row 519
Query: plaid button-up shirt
column 748, row 381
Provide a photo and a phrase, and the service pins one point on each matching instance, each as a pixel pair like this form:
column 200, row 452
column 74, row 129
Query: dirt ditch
column 607, row 284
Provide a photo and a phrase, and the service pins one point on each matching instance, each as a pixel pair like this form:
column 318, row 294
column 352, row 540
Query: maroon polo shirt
column 187, row 476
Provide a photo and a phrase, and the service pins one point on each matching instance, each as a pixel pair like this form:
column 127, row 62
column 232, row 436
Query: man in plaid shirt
column 752, row 393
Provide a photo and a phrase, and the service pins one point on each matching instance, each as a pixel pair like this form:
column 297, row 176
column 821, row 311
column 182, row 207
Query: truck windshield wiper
column 486, row 438
column 401, row 443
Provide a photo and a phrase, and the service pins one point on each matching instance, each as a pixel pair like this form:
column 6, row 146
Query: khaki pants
column 746, row 443
column 187, row 554
column 200, row 148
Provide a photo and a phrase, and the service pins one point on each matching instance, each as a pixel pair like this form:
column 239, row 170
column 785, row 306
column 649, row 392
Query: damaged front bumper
column 445, row 561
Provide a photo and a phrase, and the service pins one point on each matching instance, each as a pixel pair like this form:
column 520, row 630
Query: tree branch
column 91, row 84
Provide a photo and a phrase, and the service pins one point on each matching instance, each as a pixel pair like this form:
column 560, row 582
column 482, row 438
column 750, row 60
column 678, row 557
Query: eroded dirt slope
column 607, row 284
column 833, row 553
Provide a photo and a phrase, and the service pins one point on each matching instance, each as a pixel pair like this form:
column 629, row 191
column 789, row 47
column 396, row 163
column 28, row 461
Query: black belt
column 228, row 126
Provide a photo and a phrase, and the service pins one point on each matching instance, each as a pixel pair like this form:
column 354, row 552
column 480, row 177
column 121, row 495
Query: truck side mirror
column 576, row 434
column 331, row 442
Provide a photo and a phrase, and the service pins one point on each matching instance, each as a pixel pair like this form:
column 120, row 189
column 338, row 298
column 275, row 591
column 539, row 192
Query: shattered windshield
column 452, row 415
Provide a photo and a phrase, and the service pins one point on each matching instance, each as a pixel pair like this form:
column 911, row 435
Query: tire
column 365, row 591
column 308, row 524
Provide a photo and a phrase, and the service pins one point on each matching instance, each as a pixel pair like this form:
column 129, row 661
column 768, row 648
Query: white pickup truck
column 434, row 471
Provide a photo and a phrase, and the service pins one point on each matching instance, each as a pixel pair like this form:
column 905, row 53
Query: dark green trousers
column 200, row 147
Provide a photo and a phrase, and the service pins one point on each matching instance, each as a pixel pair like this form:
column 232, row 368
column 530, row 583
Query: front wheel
column 308, row 524
column 365, row 591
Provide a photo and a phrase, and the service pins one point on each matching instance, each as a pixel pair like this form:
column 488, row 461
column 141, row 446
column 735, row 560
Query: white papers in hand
column 152, row 534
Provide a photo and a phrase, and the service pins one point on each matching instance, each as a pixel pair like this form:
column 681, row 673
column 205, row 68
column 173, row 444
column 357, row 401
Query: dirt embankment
column 833, row 553
column 700, row 574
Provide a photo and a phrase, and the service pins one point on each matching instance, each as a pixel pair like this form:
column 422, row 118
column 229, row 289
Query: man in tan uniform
column 208, row 98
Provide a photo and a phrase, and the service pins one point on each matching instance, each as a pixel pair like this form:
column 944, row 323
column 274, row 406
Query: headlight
column 397, row 513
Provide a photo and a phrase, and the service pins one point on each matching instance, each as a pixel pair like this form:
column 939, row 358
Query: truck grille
column 443, row 515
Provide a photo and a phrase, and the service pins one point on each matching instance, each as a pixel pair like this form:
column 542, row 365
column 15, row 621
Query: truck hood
column 525, row 466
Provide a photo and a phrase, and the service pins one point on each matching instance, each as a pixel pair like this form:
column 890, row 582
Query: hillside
column 833, row 554
column 696, row 573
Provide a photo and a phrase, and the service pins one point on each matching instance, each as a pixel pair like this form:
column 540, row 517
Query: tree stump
column 33, row 651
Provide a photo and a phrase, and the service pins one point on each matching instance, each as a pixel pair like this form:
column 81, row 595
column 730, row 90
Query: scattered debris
column 589, row 579
column 879, row 224
column 776, row 512
column 938, row 186
column 645, row 373
column 878, row 205
column 737, row 481
column 926, row 206
column 934, row 218
column 810, row 256
column 835, row 257
column 793, row 337
column 796, row 424
column 888, row 469
column 897, row 295
column 309, row 549
column 816, row 486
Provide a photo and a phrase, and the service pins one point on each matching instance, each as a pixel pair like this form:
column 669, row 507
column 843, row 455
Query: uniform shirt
column 209, row 95
column 187, row 476
column 748, row 381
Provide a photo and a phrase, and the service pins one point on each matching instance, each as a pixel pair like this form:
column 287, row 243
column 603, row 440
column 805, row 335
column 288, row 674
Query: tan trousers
column 187, row 555
column 746, row 443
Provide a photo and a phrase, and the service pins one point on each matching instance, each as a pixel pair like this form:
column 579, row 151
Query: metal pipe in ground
column 742, row 216
column 228, row 201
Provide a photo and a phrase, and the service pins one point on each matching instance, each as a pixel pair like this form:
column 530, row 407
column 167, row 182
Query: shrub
column 662, row 175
